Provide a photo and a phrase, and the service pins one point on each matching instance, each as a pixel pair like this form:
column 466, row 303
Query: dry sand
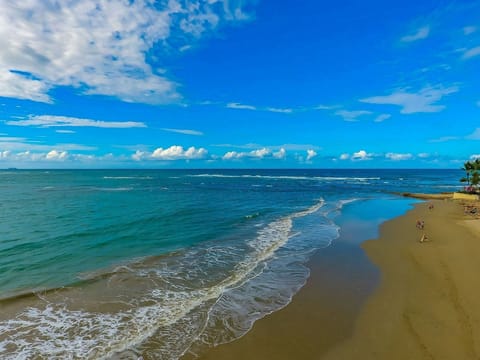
column 428, row 303
column 426, row 307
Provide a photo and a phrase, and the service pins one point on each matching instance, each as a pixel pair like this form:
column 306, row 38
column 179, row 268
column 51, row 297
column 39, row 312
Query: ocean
column 123, row 264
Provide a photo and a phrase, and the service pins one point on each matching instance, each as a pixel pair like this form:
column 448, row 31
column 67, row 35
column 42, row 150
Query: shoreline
column 324, row 311
column 427, row 305
column 424, row 306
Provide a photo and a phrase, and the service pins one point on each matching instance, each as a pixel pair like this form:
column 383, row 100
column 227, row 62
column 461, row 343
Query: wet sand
column 427, row 305
column 321, row 314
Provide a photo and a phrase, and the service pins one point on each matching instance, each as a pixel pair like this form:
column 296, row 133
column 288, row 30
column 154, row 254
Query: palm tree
column 468, row 167
column 475, row 179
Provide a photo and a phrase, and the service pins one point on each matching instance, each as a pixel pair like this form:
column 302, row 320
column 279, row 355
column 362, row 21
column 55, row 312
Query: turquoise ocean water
column 156, row 263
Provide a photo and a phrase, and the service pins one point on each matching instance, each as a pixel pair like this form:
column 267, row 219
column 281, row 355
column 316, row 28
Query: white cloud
column 174, row 152
column 325, row 107
column 424, row 101
column 421, row 33
column 444, row 139
column 279, row 110
column 17, row 86
column 423, row 155
column 5, row 154
column 468, row 30
column 56, row 155
column 45, row 121
column 23, row 144
column 382, row 117
column 475, row 135
column 100, row 46
column 280, row 154
column 398, row 157
column 254, row 154
column 11, row 139
column 361, row 155
column 475, row 156
column 470, row 53
column 184, row 131
column 65, row 131
column 352, row 115
column 177, row 153
column 240, row 106
column 357, row 156
column 311, row 154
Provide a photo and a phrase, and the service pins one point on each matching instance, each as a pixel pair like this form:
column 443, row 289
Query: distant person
column 430, row 206
column 420, row 224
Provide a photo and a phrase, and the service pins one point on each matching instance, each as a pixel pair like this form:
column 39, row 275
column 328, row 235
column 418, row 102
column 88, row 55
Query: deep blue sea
column 121, row 263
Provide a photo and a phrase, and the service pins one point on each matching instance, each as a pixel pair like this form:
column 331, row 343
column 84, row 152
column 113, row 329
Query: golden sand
column 426, row 307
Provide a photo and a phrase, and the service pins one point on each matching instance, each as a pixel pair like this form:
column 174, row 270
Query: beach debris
column 470, row 210
column 424, row 238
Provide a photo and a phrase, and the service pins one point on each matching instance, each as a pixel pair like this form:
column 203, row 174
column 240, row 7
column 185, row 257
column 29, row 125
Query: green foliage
column 472, row 178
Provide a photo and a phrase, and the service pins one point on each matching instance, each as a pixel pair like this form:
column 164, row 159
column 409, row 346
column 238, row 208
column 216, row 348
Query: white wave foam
column 287, row 177
column 111, row 189
column 128, row 177
column 53, row 330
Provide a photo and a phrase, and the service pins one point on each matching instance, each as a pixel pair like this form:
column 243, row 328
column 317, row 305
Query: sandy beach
column 425, row 305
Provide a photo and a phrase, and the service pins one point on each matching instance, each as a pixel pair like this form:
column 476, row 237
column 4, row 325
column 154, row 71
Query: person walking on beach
column 420, row 224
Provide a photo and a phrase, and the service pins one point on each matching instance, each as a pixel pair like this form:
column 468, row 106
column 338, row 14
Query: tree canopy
column 472, row 178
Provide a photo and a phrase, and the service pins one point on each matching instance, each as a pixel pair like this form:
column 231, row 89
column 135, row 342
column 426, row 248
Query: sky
column 239, row 83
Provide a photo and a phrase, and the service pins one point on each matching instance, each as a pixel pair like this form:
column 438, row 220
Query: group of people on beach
column 470, row 210
column 421, row 225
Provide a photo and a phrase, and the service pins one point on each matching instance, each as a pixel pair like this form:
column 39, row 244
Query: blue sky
column 239, row 84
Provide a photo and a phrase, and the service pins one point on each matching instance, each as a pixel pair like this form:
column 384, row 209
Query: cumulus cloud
column 254, row 154
column 280, row 154
column 398, row 157
column 57, row 158
column 361, row 155
column 46, row 121
column 352, row 115
column 470, row 53
column 177, row 152
column 174, row 152
column 184, row 131
column 357, row 156
column 56, row 155
column 424, row 101
column 420, row 34
column 311, row 154
column 100, row 46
